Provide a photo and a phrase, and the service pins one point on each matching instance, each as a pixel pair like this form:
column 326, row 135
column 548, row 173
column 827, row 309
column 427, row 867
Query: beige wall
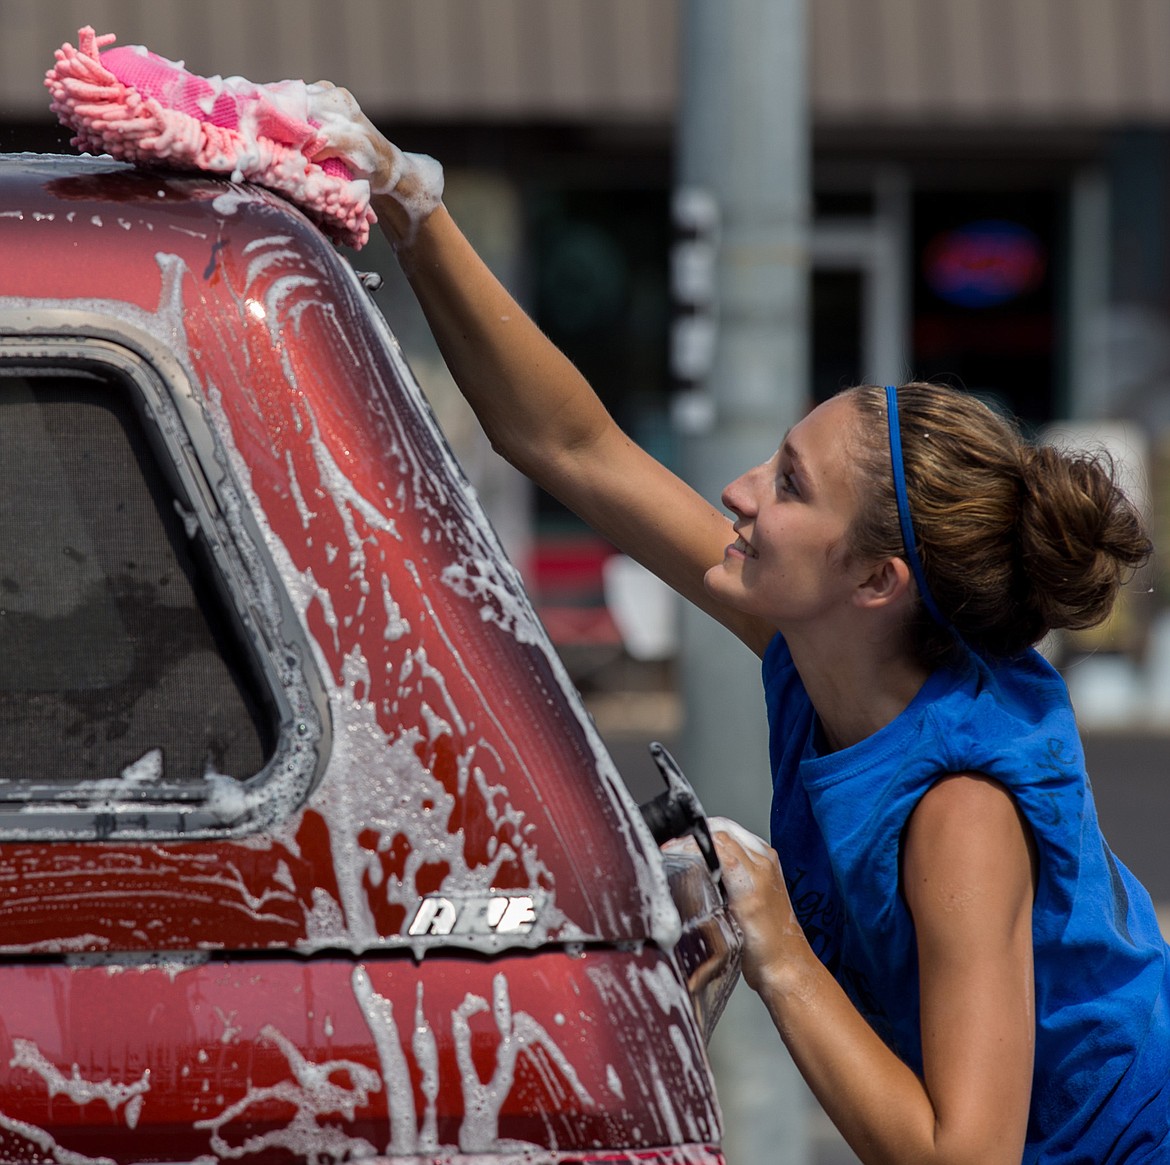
column 894, row 61
column 1002, row 61
column 456, row 59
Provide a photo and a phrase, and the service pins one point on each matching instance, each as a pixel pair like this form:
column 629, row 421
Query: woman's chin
column 715, row 580
column 723, row 582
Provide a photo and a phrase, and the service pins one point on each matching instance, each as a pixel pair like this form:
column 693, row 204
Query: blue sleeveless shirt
column 1101, row 1085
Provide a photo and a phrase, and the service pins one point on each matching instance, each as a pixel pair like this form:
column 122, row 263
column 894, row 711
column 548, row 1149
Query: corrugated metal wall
column 465, row 59
column 1046, row 61
column 894, row 61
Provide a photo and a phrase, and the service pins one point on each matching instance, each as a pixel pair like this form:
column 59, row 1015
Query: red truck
column 308, row 849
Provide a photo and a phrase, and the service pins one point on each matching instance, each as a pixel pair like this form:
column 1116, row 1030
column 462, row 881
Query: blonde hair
column 1016, row 539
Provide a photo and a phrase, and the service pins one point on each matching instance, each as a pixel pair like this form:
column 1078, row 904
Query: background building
column 990, row 185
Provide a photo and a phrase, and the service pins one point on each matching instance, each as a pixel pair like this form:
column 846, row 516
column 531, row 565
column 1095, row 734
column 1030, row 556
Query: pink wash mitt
column 136, row 105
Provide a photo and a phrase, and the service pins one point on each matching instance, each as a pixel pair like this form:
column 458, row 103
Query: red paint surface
column 241, row 1034
column 518, row 720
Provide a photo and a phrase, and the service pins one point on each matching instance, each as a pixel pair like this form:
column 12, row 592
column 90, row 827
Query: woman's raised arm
column 541, row 415
column 535, row 407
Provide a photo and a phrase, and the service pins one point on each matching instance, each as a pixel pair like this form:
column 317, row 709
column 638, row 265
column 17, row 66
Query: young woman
column 956, row 962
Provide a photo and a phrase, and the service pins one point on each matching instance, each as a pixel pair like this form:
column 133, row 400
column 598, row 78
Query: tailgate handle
column 677, row 812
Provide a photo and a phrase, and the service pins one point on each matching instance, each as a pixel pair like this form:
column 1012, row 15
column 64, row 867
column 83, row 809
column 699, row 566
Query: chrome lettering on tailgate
column 489, row 914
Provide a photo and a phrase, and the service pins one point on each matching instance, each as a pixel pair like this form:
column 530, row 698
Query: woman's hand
column 758, row 900
column 352, row 137
column 409, row 186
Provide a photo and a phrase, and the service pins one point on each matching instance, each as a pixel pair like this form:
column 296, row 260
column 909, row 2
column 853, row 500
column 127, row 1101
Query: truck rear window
column 117, row 657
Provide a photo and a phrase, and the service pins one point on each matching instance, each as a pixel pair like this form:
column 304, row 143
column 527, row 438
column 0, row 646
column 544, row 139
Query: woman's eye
column 788, row 483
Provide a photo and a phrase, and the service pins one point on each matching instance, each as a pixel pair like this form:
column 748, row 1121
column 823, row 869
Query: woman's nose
column 737, row 495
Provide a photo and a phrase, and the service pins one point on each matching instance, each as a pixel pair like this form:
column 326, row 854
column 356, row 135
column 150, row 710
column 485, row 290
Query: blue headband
column 908, row 540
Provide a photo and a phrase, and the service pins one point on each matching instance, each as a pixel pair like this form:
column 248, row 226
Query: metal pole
column 743, row 137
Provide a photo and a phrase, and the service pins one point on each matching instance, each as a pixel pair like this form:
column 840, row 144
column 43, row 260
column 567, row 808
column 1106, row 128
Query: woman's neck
column 859, row 693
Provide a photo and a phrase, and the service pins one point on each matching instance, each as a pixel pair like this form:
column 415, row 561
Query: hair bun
column 1080, row 536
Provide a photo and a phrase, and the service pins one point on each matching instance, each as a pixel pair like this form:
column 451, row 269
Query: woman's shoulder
column 1012, row 720
column 1013, row 697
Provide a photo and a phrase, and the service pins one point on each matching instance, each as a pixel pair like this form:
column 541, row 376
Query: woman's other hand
column 758, row 899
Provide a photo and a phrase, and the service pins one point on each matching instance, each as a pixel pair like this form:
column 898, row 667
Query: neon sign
column 984, row 263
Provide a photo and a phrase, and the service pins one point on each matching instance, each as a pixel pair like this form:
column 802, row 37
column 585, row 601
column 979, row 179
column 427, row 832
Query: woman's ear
column 885, row 585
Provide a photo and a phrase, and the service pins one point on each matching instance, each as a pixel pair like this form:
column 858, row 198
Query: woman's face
column 790, row 563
